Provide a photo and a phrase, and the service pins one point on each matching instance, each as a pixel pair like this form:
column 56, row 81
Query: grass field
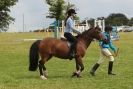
column 14, row 72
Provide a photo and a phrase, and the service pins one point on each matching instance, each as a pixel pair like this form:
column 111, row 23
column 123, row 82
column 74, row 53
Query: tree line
column 113, row 19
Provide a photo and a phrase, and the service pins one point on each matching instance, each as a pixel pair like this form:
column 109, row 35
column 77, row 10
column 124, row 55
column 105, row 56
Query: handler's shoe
column 110, row 67
column 94, row 68
column 92, row 73
column 111, row 74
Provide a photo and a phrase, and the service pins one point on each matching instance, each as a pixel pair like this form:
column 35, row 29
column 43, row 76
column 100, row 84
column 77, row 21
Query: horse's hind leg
column 42, row 68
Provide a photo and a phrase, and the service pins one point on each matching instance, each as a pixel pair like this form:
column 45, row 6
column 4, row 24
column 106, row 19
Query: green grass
column 14, row 72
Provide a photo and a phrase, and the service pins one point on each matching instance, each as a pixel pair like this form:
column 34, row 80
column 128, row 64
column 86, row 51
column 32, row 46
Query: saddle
column 68, row 42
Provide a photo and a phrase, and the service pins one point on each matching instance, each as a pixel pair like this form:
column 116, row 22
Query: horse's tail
column 34, row 56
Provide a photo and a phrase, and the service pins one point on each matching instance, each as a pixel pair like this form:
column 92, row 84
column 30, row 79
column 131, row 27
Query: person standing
column 105, row 45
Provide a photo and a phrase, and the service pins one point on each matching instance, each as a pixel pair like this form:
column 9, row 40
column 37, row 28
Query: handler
column 105, row 52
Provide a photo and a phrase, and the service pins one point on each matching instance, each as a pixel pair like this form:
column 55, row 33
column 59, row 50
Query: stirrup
column 72, row 54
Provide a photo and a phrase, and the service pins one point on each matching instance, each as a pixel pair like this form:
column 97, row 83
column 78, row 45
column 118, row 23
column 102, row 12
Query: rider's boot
column 73, row 50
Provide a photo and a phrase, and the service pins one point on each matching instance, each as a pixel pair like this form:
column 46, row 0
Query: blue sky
column 35, row 11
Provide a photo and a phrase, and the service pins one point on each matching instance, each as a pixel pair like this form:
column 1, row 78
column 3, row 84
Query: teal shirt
column 109, row 44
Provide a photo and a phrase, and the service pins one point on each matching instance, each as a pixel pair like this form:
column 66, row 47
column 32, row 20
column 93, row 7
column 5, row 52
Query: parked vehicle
column 115, row 35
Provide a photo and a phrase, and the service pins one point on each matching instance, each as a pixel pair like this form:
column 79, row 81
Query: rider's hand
column 79, row 33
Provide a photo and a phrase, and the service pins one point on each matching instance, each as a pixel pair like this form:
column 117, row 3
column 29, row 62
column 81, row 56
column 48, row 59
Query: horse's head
column 92, row 33
column 97, row 34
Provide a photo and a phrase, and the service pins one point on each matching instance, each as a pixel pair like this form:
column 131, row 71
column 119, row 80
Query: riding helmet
column 70, row 11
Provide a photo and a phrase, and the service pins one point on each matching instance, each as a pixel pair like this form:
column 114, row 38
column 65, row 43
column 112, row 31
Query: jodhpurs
column 105, row 53
column 72, row 39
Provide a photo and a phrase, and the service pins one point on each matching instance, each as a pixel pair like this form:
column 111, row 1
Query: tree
column 116, row 19
column 130, row 23
column 50, row 2
column 56, row 9
column 67, row 7
column 5, row 18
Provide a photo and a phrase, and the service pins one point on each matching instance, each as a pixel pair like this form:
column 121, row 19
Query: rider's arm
column 76, row 31
column 70, row 23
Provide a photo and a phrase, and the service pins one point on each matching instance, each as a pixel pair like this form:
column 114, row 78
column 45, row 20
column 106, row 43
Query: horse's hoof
column 74, row 74
column 79, row 76
column 43, row 77
column 45, row 74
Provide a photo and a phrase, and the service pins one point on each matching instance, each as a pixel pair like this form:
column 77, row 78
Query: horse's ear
column 98, row 28
column 90, row 28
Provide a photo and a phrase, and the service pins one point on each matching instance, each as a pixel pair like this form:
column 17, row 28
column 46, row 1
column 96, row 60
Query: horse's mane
column 84, row 33
column 88, row 33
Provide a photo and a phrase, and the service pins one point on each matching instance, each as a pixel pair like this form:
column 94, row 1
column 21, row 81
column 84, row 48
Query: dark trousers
column 73, row 40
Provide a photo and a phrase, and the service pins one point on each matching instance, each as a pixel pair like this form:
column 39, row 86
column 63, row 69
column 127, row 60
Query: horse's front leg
column 79, row 67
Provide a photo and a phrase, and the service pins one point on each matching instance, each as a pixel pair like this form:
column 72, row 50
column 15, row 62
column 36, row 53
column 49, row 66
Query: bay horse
column 49, row 47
